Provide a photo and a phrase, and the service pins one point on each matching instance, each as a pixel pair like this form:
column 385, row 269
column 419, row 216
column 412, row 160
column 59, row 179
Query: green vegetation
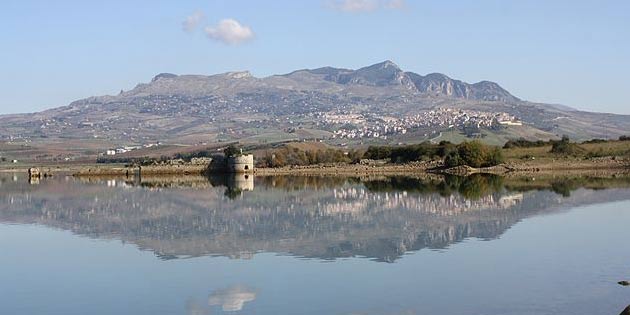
column 550, row 151
column 293, row 182
column 295, row 156
column 565, row 147
column 231, row 151
column 409, row 153
column 474, row 154
column 565, row 185
column 378, row 152
column 471, row 187
column 479, row 185
column 522, row 143
column 562, row 144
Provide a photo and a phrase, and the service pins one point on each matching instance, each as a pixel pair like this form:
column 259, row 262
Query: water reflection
column 380, row 218
column 232, row 299
column 194, row 307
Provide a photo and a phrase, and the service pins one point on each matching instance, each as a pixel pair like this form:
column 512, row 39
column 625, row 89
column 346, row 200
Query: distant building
column 240, row 163
column 510, row 123
column 110, row 152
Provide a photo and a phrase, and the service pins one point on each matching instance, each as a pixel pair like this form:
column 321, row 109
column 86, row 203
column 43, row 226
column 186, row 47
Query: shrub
column 231, row 151
column 522, row 143
column 596, row 141
column 474, row 154
column 409, row 153
column 453, row 159
column 378, row 152
column 293, row 156
column 494, row 157
column 565, row 147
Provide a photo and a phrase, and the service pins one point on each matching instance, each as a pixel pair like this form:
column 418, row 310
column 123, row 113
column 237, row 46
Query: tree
column 453, row 159
column 378, row 153
column 565, row 147
column 278, row 159
column 231, row 151
column 472, row 153
column 494, row 157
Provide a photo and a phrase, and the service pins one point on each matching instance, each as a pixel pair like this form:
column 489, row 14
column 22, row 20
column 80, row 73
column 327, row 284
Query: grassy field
column 497, row 137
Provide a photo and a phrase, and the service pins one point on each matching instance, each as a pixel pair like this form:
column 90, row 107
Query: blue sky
column 575, row 53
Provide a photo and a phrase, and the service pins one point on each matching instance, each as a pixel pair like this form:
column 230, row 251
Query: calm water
column 308, row 245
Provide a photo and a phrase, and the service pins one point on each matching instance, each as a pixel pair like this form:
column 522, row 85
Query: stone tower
column 240, row 163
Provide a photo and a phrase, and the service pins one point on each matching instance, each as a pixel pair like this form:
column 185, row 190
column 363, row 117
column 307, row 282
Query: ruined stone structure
column 240, row 163
column 34, row 172
column 242, row 182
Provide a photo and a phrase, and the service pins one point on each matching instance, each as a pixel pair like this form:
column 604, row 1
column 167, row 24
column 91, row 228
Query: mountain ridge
column 379, row 103
column 383, row 74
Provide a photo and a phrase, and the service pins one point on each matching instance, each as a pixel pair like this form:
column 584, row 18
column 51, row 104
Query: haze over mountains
column 380, row 103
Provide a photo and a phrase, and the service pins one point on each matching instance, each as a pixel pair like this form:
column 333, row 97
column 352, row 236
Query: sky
column 575, row 53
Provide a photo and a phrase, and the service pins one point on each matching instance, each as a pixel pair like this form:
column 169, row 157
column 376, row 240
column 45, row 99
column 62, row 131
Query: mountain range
column 380, row 103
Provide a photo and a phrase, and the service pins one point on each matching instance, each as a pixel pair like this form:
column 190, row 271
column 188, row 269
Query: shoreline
column 572, row 166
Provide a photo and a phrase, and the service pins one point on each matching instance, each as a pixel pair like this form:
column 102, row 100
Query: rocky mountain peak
column 164, row 76
column 385, row 73
column 239, row 75
column 387, row 64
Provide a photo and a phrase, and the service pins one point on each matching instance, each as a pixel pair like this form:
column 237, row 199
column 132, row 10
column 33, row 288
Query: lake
column 314, row 245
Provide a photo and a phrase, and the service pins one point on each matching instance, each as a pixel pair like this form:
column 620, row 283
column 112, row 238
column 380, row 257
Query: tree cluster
column 294, row 156
column 231, row 151
column 473, row 153
column 565, row 147
column 522, row 143
column 471, row 187
column 409, row 153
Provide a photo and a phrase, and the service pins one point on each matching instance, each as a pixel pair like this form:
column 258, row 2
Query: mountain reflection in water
column 380, row 218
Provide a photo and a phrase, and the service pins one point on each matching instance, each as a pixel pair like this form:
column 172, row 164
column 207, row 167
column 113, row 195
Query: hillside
column 380, row 103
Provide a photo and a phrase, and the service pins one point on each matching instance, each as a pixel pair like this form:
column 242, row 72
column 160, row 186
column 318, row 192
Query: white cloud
column 357, row 6
column 232, row 299
column 230, row 31
column 191, row 22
